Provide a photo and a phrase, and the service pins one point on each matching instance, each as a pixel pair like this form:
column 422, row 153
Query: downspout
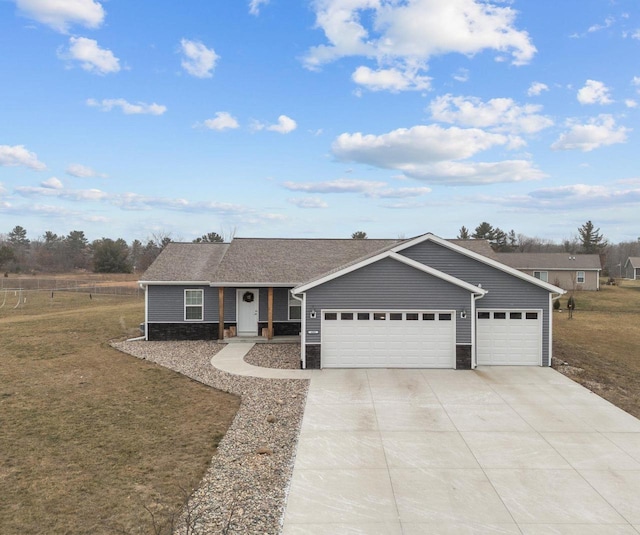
column 145, row 287
column 551, row 300
column 474, row 319
column 303, row 328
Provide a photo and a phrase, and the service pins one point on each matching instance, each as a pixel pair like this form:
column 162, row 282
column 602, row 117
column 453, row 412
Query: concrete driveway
column 496, row 450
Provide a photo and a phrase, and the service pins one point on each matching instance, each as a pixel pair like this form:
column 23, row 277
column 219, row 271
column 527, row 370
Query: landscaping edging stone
column 245, row 487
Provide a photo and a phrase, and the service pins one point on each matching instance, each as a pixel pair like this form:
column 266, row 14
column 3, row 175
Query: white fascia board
column 175, row 283
column 439, row 274
column 480, row 258
column 253, row 284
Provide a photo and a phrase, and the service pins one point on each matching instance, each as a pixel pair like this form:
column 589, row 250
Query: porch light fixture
column 463, row 314
column 312, row 314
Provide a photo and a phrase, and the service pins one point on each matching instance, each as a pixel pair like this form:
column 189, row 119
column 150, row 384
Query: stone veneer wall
column 312, row 353
column 282, row 328
column 463, row 357
column 183, row 331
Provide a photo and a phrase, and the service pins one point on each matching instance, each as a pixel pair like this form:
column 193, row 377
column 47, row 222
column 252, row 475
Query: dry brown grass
column 91, row 437
column 601, row 343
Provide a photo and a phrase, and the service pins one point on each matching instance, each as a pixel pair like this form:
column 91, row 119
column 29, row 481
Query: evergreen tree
column 591, row 240
column 359, row 235
column 210, row 237
column 464, row 233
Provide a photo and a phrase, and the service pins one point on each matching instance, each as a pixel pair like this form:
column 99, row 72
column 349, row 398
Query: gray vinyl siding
column 280, row 304
column 388, row 284
column 504, row 290
column 166, row 304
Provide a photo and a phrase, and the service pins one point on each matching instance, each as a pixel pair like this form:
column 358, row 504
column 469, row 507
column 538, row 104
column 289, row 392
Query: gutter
column 303, row 328
column 474, row 357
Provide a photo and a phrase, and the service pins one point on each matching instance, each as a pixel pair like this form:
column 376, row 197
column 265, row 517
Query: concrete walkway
column 231, row 360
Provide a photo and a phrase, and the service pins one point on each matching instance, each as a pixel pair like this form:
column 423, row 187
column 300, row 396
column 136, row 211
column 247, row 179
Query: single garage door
column 509, row 337
column 388, row 339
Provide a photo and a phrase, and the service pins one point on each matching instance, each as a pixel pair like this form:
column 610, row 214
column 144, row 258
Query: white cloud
column 630, row 103
column 198, row 60
column 635, row 34
column 568, row 197
column 308, row 202
column 536, row 88
column 223, row 121
column 406, row 147
column 606, row 24
column 500, row 114
column 393, row 79
column 368, row 188
column 82, row 171
column 284, row 125
column 594, row 92
column 60, row 14
column 16, row 155
column 255, row 5
column 92, row 58
column 127, row 108
column 406, row 35
column 432, row 153
column 473, row 173
column 598, row 132
column 461, row 75
column 341, row 185
column 52, row 183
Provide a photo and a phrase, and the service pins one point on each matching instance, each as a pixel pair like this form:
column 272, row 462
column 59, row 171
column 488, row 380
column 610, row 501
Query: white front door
column 247, row 307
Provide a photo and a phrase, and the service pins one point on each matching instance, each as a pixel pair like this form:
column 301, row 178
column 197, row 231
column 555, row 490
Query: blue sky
column 318, row 118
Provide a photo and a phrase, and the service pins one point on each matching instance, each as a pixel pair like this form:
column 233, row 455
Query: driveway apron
column 494, row 450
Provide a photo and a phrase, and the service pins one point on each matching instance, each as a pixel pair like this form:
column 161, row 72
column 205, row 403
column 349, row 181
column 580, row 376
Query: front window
column 193, row 305
column 542, row 275
column 295, row 308
column 580, row 277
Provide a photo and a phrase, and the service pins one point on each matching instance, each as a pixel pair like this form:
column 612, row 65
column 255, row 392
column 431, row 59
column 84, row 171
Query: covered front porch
column 261, row 314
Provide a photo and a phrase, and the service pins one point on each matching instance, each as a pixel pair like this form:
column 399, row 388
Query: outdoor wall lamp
column 463, row 314
column 312, row 314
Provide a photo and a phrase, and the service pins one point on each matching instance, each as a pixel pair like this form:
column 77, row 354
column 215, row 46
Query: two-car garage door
column 388, row 339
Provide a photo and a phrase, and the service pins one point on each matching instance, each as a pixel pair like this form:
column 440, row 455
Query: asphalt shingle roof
column 186, row 262
column 634, row 261
column 550, row 260
column 271, row 260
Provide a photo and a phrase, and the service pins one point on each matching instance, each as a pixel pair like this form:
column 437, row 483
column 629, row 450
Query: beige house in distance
column 632, row 268
column 568, row 271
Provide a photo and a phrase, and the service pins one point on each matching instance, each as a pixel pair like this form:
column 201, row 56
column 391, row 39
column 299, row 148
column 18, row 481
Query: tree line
column 58, row 254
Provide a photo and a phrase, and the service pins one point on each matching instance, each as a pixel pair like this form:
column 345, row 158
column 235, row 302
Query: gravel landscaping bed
column 244, row 489
column 282, row 356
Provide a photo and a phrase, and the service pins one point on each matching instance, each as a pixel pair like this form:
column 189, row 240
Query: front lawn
column 91, row 439
column 601, row 344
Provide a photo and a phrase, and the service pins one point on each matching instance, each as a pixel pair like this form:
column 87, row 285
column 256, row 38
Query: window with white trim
column 295, row 308
column 194, row 305
column 542, row 275
column 580, row 277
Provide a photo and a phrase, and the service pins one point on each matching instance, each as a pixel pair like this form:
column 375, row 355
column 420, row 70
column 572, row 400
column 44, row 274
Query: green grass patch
column 92, row 438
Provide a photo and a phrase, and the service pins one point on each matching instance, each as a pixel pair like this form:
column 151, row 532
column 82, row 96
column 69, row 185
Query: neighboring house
column 632, row 268
column 424, row 302
column 568, row 271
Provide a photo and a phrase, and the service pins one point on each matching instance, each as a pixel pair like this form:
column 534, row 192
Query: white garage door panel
column 509, row 337
column 403, row 343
